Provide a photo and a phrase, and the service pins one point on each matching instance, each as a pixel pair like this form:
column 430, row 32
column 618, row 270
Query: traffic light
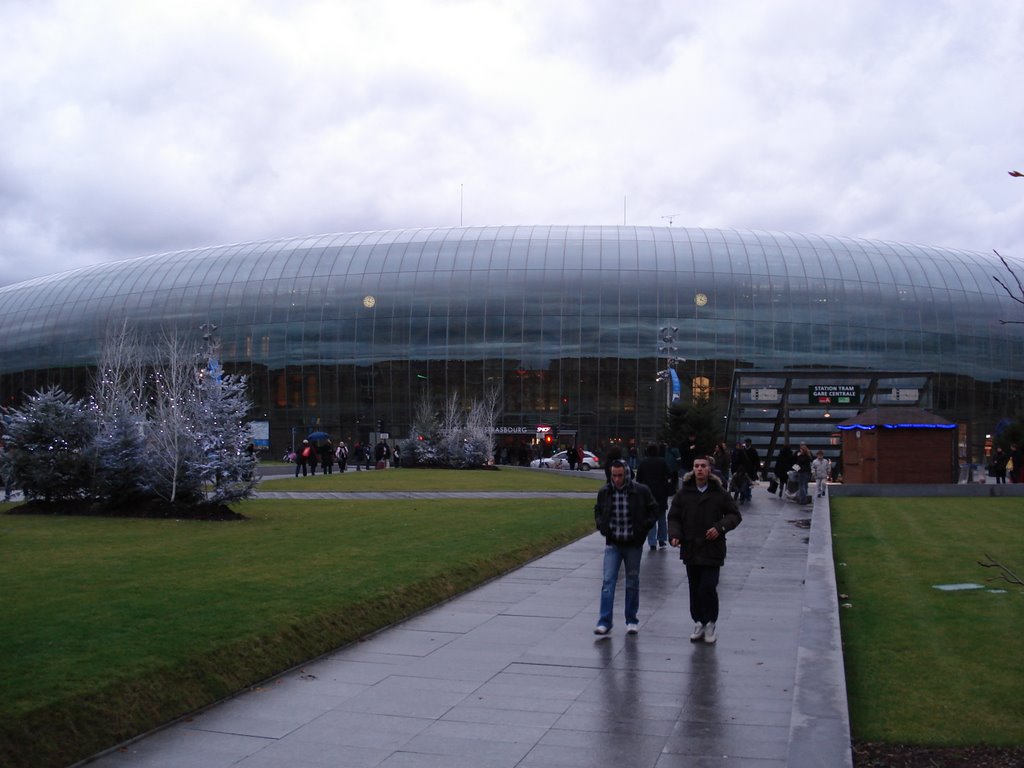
column 548, row 439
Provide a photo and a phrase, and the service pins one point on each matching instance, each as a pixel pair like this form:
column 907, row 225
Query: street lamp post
column 668, row 349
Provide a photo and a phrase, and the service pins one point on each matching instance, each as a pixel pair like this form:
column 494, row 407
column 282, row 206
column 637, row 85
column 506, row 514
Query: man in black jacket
column 701, row 513
column 653, row 472
column 624, row 512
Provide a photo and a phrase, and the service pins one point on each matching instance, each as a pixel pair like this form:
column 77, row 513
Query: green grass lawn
column 112, row 626
column 501, row 479
column 924, row 666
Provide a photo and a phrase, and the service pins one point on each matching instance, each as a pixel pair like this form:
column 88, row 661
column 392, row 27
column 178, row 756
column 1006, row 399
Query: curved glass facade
column 346, row 331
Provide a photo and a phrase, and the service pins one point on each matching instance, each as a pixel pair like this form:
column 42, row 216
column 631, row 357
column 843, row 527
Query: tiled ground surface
column 510, row 674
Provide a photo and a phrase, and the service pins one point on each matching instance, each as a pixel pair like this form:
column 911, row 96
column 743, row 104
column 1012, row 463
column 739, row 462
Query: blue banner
column 676, row 386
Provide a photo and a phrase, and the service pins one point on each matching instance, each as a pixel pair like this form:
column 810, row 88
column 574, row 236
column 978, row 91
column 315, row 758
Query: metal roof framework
column 792, row 406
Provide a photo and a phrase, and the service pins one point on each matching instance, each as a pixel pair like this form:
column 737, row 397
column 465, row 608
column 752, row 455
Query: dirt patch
column 147, row 508
column 870, row 755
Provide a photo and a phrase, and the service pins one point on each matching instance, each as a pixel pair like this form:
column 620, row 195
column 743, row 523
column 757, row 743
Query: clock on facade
column 369, row 301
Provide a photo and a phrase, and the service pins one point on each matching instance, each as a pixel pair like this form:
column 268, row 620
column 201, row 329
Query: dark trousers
column 703, row 592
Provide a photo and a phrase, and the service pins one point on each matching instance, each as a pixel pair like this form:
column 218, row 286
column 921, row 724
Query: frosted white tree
column 49, row 441
column 461, row 437
column 169, row 430
column 417, row 451
column 452, row 448
column 196, row 434
column 221, row 405
column 479, row 430
column 119, row 403
column 172, row 445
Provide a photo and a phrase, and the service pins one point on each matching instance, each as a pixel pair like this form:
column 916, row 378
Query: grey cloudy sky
column 135, row 127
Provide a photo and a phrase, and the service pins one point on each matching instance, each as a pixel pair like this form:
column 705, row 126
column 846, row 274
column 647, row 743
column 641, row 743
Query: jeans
column 614, row 556
column 703, row 592
column 658, row 533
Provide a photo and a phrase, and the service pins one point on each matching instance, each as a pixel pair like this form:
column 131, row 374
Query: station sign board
column 834, row 394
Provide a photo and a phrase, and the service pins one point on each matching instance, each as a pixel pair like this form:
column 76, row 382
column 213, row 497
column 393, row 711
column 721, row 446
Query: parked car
column 560, row 461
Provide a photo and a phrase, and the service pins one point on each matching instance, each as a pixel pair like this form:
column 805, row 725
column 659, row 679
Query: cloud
column 133, row 128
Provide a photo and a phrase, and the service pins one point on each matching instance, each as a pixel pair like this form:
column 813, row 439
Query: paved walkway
column 510, row 674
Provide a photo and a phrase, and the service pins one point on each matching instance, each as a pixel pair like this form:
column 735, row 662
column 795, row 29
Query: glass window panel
column 446, row 255
column 573, row 259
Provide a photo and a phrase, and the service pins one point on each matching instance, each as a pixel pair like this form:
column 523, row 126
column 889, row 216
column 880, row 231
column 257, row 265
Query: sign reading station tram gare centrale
column 834, row 393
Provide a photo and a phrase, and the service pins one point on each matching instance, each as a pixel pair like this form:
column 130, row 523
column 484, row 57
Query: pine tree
column 50, row 443
column 221, row 405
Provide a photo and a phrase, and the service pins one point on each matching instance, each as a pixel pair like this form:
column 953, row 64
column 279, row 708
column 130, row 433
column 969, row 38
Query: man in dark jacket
column 624, row 512
column 783, row 464
column 653, row 472
column 701, row 513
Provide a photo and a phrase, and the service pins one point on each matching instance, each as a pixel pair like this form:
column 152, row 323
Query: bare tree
column 424, row 421
column 170, row 437
column 1018, row 296
column 480, row 422
column 119, row 405
column 119, row 386
column 451, row 428
column 1005, row 574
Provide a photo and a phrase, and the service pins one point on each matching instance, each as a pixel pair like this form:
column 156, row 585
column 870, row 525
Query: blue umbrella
column 318, row 436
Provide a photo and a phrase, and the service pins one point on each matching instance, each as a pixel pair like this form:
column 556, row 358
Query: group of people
column 1002, row 463
column 310, row 455
column 574, row 456
column 806, row 467
column 631, row 512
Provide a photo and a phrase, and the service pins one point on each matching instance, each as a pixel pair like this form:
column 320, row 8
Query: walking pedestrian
column 624, row 512
column 803, row 461
column 701, row 513
column 302, row 458
column 327, row 457
column 653, row 472
column 783, row 463
column 1014, row 462
column 821, row 468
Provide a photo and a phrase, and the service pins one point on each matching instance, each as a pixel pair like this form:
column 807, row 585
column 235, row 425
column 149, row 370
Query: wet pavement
column 511, row 674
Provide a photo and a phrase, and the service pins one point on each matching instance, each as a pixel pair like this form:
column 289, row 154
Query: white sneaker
column 709, row 633
column 600, row 629
column 698, row 632
column 632, row 629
